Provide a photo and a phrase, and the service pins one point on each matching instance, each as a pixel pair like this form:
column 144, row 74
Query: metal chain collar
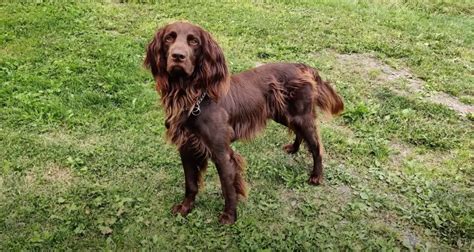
column 196, row 108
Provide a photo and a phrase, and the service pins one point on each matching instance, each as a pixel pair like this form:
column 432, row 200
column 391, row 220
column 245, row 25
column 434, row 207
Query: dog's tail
column 239, row 182
column 326, row 97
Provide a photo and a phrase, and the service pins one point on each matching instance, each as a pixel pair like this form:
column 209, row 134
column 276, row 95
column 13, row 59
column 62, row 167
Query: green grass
column 84, row 164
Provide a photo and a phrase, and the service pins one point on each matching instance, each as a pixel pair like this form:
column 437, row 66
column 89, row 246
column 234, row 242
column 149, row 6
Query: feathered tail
column 326, row 97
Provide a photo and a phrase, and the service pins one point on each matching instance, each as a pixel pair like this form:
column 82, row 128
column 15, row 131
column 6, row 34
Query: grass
column 84, row 164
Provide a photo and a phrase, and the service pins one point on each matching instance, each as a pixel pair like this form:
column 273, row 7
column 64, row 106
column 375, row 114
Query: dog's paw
column 315, row 180
column 181, row 209
column 227, row 219
column 290, row 149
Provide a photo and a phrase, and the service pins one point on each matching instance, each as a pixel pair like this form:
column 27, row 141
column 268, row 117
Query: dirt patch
column 452, row 102
column 410, row 239
column 400, row 153
column 290, row 201
column 344, row 194
column 408, row 159
column 58, row 174
column 65, row 139
column 369, row 67
column 346, row 131
column 372, row 68
column 57, row 137
column 53, row 174
column 411, row 236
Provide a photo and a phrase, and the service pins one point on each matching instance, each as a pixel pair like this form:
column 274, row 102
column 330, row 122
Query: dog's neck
column 180, row 95
column 178, row 99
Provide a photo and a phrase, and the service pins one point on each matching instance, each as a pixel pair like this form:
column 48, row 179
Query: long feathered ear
column 212, row 70
column 155, row 60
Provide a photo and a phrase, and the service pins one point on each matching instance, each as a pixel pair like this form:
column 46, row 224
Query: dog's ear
column 212, row 70
column 155, row 60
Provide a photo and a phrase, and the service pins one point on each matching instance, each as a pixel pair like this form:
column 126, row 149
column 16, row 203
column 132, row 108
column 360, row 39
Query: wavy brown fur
column 186, row 61
column 239, row 182
column 327, row 99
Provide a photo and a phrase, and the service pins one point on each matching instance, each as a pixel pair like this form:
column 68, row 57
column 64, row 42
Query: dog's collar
column 196, row 108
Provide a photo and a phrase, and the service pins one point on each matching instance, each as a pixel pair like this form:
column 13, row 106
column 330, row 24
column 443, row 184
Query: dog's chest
column 182, row 133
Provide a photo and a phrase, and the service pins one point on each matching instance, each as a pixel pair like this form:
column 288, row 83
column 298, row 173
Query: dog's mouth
column 178, row 69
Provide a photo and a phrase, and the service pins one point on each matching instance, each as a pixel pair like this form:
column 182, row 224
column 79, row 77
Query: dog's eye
column 193, row 41
column 169, row 39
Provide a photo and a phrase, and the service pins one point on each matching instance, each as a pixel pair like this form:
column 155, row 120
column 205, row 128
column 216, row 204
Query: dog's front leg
column 193, row 164
column 227, row 173
column 212, row 127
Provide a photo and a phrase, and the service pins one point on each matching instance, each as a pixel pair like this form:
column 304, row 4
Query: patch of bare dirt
column 344, row 194
column 53, row 174
column 410, row 239
column 63, row 138
column 452, row 102
column 57, row 137
column 401, row 152
column 58, row 174
column 346, row 131
column 408, row 158
column 370, row 67
column 290, row 201
column 408, row 234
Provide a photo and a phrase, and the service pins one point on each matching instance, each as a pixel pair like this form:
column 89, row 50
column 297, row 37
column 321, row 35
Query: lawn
column 84, row 163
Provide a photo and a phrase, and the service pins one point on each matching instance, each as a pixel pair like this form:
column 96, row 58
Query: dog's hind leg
column 301, row 118
column 305, row 126
column 290, row 148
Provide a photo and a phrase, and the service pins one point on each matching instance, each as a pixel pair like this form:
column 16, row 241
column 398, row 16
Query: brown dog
column 207, row 109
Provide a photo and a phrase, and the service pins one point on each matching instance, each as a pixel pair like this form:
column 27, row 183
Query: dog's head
column 182, row 50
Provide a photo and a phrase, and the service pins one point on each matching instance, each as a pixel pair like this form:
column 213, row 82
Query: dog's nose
column 177, row 55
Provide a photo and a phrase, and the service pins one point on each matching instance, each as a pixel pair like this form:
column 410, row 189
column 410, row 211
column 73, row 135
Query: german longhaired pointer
column 207, row 108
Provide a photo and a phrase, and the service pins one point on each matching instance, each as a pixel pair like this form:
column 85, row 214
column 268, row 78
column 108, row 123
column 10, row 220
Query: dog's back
column 276, row 91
